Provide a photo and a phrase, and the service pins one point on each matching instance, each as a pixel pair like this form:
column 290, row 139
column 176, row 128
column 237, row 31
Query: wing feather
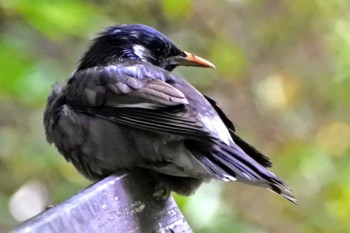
column 144, row 102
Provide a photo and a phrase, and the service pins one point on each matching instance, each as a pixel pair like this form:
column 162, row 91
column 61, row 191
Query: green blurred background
column 283, row 76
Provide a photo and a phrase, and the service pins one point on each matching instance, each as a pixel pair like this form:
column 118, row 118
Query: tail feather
column 217, row 171
column 251, row 151
column 233, row 161
column 280, row 188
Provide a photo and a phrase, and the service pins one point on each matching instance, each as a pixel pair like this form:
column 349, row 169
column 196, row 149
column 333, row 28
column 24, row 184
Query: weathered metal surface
column 116, row 204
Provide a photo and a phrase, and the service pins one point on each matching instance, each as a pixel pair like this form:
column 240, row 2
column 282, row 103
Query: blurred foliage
column 282, row 75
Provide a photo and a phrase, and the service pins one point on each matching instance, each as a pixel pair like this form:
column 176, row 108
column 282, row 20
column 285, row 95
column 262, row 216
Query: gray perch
column 115, row 204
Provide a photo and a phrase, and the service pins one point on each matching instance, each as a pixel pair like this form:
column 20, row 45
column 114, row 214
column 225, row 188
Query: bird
column 123, row 109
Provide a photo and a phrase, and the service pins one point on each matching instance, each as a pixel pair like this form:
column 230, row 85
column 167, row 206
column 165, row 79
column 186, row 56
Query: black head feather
column 129, row 42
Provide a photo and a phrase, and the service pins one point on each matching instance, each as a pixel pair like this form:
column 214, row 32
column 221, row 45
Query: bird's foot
column 161, row 192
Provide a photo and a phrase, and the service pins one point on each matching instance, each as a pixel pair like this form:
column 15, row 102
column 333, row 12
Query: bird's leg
column 161, row 192
column 181, row 185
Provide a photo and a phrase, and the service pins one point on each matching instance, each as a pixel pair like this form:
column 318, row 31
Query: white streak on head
column 140, row 51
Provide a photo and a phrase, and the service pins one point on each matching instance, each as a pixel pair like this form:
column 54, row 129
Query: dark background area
column 283, row 76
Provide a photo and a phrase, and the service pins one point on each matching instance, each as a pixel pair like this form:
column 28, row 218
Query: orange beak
column 197, row 61
column 188, row 59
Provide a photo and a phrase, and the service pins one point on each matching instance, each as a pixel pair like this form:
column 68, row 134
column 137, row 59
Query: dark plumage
column 123, row 110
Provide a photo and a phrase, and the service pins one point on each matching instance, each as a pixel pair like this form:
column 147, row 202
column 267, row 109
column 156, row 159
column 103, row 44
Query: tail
column 232, row 163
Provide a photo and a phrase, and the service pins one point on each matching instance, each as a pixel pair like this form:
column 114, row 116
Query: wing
column 222, row 115
column 144, row 102
column 249, row 149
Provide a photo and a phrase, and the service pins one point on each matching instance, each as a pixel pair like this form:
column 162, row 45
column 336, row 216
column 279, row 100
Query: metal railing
column 115, row 204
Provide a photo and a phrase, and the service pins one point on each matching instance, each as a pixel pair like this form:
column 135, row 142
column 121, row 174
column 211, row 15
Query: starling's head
column 137, row 42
